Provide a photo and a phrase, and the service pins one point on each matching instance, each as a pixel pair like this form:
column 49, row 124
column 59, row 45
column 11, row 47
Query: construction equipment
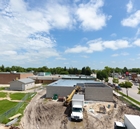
column 69, row 98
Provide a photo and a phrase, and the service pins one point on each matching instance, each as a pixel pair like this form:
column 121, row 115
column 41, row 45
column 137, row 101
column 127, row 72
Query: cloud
column 95, row 46
column 61, row 58
column 121, row 54
column 129, row 6
column 124, row 54
column 133, row 20
column 90, row 15
column 114, row 55
column 25, row 31
column 99, row 45
column 113, row 35
column 137, row 42
column 76, row 49
column 85, row 56
column 59, row 15
column 138, row 32
column 116, row 44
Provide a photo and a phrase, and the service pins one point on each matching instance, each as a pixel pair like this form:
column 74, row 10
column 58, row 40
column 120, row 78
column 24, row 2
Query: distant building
column 7, row 77
column 22, row 84
column 44, row 73
column 45, row 79
column 133, row 76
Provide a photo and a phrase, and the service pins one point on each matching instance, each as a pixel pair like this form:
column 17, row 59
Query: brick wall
column 25, row 75
column 6, row 78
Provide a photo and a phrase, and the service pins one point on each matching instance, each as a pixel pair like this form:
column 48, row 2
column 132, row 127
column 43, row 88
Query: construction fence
column 15, row 109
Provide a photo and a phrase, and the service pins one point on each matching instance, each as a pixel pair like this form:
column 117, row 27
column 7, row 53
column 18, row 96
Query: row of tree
column 58, row 70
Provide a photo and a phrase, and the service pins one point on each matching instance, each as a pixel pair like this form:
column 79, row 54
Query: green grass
column 135, row 101
column 3, row 94
column 2, row 88
column 17, row 96
column 13, row 104
column 5, row 105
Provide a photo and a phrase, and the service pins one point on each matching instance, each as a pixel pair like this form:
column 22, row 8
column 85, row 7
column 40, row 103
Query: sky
column 71, row 33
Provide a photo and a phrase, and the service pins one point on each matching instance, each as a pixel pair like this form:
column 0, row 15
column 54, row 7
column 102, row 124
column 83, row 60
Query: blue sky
column 71, row 33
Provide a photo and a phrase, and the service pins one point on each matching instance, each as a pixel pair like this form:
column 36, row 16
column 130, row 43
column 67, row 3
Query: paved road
column 132, row 92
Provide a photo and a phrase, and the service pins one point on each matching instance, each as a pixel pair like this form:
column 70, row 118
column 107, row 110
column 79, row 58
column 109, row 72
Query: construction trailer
column 130, row 122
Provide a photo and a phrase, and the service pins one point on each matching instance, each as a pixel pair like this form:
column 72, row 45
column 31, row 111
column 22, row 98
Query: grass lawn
column 3, row 94
column 17, row 96
column 5, row 105
column 2, row 88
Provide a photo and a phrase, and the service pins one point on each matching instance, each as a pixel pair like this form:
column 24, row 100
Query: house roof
column 26, row 80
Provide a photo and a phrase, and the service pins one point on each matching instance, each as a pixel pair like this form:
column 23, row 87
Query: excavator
column 69, row 97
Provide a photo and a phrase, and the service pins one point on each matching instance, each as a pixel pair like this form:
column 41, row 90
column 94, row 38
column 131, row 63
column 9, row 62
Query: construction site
column 59, row 109
column 75, row 104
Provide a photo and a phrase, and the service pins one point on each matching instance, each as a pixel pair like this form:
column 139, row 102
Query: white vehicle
column 77, row 107
column 119, row 125
column 130, row 122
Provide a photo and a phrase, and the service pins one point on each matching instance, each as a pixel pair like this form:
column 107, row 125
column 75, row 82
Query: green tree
column 126, row 85
column 2, row 68
column 88, row 71
column 102, row 75
column 83, row 71
column 118, row 70
column 106, row 79
column 108, row 70
column 64, row 72
column 125, row 70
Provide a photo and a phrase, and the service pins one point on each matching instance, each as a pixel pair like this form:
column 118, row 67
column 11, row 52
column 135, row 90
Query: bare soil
column 47, row 114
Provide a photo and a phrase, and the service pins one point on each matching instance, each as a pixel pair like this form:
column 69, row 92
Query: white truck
column 130, row 122
column 77, row 107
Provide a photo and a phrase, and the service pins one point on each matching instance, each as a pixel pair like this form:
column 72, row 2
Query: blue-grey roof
column 26, row 80
column 71, row 83
column 77, row 76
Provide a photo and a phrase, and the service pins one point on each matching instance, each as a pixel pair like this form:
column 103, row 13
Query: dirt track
column 43, row 114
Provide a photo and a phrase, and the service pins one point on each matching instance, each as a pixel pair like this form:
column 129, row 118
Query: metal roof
column 26, row 80
column 95, row 85
column 78, row 97
column 77, row 77
column 71, row 82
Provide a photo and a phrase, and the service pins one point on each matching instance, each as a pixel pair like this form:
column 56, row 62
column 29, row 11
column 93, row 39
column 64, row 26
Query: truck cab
column 77, row 113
